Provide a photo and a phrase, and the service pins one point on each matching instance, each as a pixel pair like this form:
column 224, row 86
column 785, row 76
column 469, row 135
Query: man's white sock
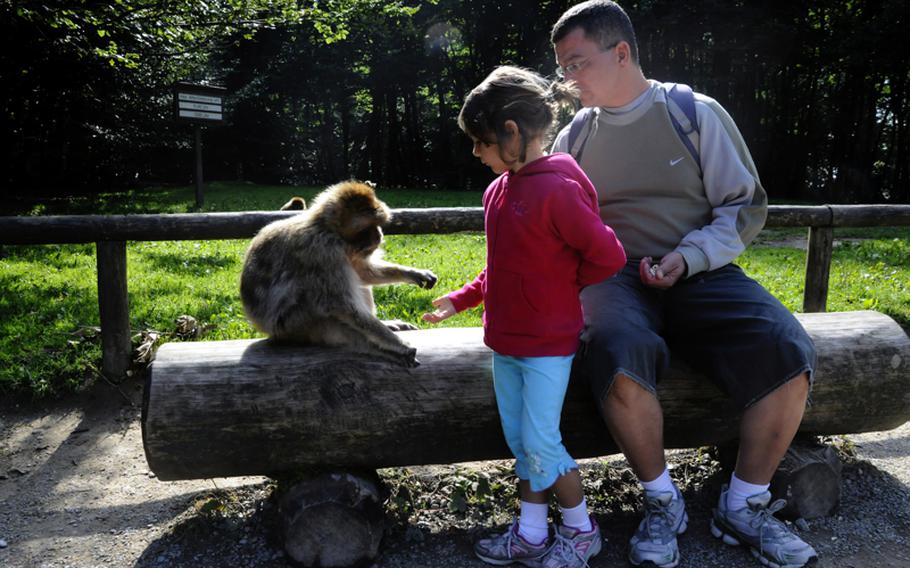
column 741, row 490
column 577, row 517
column 662, row 484
column 532, row 524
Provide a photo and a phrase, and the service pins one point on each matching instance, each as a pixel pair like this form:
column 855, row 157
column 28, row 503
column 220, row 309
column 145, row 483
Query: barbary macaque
column 306, row 278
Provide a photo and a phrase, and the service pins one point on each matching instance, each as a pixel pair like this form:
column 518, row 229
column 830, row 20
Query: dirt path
column 75, row 491
column 75, row 487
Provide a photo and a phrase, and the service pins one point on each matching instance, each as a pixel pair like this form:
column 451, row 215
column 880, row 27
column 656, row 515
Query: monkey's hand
column 409, row 358
column 398, row 325
column 424, row 278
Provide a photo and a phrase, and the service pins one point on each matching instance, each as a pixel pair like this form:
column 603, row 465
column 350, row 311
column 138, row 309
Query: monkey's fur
column 306, row 278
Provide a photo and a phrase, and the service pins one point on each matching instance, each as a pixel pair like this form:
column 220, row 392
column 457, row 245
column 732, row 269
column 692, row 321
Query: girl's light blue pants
column 529, row 393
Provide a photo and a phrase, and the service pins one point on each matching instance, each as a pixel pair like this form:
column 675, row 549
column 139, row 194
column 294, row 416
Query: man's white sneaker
column 654, row 543
column 755, row 525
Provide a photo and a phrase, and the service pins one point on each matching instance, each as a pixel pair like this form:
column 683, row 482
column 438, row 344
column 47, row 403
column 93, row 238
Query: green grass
column 48, row 294
column 872, row 274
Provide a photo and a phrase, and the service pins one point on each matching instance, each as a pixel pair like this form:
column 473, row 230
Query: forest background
column 325, row 90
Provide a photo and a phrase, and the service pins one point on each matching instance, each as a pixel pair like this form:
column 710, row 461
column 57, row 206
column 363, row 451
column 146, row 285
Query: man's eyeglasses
column 573, row 68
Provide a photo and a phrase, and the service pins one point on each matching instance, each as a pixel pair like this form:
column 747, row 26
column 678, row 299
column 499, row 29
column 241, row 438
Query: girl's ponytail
column 516, row 94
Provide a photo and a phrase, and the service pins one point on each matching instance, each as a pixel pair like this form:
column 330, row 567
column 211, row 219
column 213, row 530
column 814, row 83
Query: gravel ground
column 75, row 491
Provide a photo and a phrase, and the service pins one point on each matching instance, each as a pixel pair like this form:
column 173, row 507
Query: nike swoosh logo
column 676, row 161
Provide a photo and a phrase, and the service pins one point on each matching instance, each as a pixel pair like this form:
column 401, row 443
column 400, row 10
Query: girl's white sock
column 532, row 524
column 577, row 517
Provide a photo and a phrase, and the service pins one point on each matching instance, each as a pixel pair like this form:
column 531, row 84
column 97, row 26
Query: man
column 683, row 215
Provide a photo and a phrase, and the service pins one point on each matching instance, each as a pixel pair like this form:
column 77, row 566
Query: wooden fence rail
column 111, row 232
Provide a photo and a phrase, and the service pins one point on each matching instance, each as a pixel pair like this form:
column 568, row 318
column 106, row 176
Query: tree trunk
column 247, row 407
column 346, row 137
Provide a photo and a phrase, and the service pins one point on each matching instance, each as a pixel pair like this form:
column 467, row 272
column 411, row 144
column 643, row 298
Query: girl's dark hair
column 512, row 93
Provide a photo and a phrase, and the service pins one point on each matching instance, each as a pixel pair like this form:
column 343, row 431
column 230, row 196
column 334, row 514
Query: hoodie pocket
column 509, row 307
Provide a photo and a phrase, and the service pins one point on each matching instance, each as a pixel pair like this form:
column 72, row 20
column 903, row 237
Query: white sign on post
column 198, row 103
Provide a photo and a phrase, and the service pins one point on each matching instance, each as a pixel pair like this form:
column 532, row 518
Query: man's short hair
column 602, row 21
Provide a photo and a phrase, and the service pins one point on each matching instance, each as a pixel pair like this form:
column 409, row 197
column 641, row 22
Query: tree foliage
column 327, row 89
column 86, row 85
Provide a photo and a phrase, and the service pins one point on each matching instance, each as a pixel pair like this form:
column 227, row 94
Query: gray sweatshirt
column 652, row 192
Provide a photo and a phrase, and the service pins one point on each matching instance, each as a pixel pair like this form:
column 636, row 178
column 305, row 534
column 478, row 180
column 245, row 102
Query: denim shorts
column 529, row 393
column 720, row 322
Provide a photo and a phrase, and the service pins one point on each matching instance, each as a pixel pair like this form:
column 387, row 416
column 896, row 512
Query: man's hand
column 444, row 310
column 672, row 267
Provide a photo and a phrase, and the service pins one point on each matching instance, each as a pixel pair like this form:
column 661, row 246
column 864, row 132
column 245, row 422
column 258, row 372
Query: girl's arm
column 578, row 222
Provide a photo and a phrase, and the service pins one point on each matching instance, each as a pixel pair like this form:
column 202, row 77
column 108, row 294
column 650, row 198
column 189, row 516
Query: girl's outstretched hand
column 444, row 310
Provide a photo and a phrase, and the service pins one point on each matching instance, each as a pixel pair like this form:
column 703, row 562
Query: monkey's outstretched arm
column 382, row 272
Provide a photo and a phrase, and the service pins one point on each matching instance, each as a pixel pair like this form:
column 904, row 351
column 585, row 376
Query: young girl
column 545, row 242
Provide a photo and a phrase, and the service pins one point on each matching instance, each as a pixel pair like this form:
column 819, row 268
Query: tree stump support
column 809, row 478
column 333, row 519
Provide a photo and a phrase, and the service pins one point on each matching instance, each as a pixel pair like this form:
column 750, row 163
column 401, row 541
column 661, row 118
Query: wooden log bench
column 250, row 407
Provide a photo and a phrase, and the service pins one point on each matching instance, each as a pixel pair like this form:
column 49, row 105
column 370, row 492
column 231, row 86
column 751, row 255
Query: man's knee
column 795, row 390
column 784, row 404
column 627, row 393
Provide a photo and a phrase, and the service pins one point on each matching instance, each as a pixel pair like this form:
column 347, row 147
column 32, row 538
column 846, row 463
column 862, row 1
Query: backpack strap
column 578, row 124
column 681, row 107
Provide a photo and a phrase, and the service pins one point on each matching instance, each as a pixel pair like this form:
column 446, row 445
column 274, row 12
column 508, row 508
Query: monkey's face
column 366, row 241
column 352, row 211
column 359, row 219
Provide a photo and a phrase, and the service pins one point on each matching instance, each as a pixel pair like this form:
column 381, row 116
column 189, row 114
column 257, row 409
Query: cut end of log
column 333, row 520
column 809, row 479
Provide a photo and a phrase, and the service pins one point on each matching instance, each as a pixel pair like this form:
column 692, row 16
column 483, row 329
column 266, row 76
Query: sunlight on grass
column 47, row 294
column 872, row 275
column 197, row 278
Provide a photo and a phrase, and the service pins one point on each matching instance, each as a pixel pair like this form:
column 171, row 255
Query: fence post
column 818, row 268
column 114, row 310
